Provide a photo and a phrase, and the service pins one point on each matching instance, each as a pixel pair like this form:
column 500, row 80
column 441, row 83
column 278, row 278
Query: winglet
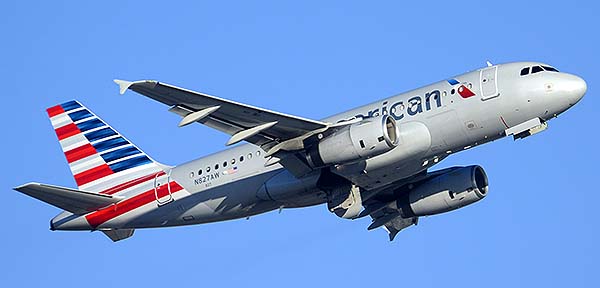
column 123, row 85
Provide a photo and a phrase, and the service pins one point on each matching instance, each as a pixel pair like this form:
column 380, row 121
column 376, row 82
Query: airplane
column 373, row 160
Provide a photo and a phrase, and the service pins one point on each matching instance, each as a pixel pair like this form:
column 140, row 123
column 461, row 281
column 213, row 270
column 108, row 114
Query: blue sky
column 538, row 226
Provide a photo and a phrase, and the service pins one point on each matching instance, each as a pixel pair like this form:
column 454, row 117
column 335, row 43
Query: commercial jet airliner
column 372, row 161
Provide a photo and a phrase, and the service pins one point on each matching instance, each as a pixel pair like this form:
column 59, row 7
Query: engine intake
column 358, row 141
column 454, row 189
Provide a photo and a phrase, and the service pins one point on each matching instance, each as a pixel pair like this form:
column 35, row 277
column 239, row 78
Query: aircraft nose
column 581, row 87
column 575, row 87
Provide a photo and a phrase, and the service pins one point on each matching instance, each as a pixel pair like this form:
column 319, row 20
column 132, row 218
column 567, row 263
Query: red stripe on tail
column 80, row 152
column 67, row 131
column 92, row 174
column 53, row 111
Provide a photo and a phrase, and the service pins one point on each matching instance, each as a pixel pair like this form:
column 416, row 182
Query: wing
column 258, row 126
column 279, row 134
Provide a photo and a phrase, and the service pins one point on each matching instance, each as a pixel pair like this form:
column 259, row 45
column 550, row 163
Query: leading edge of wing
column 151, row 84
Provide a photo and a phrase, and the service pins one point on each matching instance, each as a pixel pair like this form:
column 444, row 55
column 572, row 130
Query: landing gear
column 343, row 197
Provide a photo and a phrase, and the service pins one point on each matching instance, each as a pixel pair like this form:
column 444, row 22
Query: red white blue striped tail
column 99, row 157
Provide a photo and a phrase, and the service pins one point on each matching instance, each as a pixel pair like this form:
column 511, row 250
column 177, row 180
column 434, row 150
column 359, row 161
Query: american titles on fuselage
column 414, row 105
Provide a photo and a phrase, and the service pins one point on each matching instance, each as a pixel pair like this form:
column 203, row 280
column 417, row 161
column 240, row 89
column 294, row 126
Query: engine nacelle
column 454, row 189
column 358, row 141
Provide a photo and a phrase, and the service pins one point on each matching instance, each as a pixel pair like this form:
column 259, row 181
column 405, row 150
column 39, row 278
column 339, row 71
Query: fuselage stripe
column 98, row 217
column 131, row 183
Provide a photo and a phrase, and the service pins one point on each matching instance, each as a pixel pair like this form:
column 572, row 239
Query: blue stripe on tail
column 71, row 105
column 100, row 134
column 130, row 163
column 110, row 143
column 120, row 153
column 81, row 114
column 90, row 124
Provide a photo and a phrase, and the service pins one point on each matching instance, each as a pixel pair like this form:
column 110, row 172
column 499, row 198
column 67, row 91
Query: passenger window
column 249, row 155
column 216, row 166
column 257, row 153
column 192, row 174
column 224, row 164
column 233, row 161
column 548, row 68
column 524, row 71
column 242, row 158
column 199, row 172
column 207, row 169
column 536, row 69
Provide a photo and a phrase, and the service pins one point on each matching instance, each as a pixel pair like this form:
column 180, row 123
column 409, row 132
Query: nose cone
column 574, row 87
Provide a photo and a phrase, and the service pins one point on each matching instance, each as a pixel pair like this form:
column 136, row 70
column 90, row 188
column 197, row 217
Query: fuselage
column 456, row 114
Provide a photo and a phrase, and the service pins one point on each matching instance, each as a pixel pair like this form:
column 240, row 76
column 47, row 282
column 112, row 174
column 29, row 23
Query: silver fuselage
column 503, row 99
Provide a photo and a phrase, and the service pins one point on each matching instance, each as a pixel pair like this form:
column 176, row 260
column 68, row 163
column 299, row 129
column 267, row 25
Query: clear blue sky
column 538, row 227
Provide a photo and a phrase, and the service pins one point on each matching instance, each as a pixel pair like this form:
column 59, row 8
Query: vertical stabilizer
column 99, row 157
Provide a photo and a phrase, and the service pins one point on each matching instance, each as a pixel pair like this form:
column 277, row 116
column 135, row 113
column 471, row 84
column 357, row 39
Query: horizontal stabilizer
column 72, row 200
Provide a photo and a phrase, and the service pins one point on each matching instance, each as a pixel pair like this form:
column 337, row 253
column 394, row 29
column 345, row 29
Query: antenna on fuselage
column 489, row 63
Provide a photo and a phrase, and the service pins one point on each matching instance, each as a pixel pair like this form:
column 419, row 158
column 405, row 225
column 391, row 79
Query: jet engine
column 358, row 141
column 458, row 187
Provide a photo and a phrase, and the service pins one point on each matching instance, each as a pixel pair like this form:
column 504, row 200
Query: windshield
column 537, row 69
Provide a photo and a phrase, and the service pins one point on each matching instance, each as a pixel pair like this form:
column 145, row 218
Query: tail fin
column 99, row 157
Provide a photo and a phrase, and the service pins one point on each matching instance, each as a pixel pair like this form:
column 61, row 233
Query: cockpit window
column 548, row 68
column 536, row 69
